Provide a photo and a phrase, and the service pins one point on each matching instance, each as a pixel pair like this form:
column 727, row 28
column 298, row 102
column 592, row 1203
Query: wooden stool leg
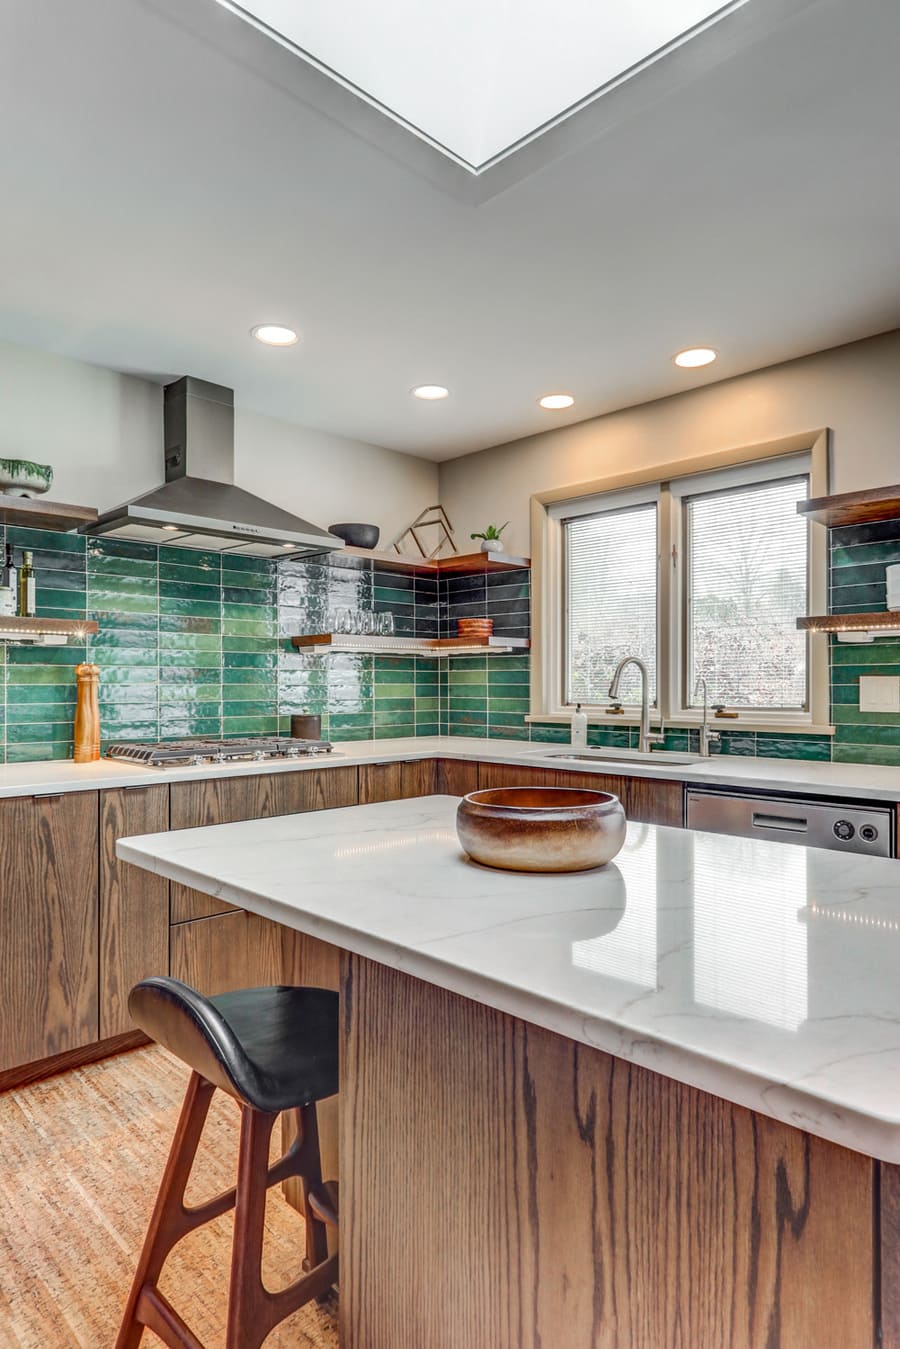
column 167, row 1224
column 248, row 1314
column 252, row 1310
column 309, row 1163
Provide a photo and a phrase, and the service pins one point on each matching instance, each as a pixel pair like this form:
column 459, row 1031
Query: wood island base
column 505, row 1187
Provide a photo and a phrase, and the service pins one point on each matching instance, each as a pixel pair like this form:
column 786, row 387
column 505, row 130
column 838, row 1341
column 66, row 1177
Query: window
column 745, row 582
column 611, row 599
column 701, row 576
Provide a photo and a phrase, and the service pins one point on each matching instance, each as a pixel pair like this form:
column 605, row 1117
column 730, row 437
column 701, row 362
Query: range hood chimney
column 199, row 506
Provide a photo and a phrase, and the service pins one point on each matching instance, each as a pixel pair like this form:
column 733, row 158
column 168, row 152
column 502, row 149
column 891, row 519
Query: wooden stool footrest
column 157, row 1313
column 323, row 1200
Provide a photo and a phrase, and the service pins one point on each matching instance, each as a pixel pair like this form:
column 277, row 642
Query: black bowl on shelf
column 358, row 536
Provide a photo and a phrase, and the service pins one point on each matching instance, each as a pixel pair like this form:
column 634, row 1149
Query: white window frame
column 671, row 483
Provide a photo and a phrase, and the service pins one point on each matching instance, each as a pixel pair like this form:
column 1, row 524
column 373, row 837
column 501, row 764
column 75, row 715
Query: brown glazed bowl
column 541, row 828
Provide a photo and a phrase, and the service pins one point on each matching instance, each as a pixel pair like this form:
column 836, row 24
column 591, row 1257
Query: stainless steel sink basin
column 662, row 757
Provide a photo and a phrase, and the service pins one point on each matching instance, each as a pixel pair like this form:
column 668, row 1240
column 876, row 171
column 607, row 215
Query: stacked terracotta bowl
column 478, row 629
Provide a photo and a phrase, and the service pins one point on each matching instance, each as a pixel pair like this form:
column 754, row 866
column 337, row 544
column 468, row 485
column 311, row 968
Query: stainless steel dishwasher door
column 817, row 824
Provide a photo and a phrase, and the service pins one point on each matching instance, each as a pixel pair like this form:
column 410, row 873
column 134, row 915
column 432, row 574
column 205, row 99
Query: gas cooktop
column 252, row 749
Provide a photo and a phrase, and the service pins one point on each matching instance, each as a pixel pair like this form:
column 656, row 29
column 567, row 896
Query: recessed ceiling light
column 693, row 357
column 430, row 393
column 274, row 335
column 172, row 527
column 556, row 400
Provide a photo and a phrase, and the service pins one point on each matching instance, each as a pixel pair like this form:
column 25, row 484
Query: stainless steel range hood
column 199, row 506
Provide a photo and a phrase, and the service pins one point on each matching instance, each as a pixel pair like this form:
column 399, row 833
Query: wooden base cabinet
column 254, row 797
column 48, row 925
column 134, row 904
column 646, row 799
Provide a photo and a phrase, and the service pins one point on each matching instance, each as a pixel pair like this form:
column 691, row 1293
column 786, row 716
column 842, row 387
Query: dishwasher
column 838, row 825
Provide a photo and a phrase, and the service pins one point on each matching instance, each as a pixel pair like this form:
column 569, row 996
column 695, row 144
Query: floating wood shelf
column 881, row 621
column 36, row 513
column 853, row 508
column 325, row 642
column 458, row 564
column 44, row 629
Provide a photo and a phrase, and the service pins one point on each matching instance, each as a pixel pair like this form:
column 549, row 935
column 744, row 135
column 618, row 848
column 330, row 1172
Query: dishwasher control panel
column 837, row 825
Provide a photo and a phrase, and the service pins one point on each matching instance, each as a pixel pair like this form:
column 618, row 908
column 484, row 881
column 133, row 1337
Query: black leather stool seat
column 274, row 1048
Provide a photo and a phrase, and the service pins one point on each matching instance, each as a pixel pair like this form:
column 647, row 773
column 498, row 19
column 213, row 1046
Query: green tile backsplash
column 194, row 643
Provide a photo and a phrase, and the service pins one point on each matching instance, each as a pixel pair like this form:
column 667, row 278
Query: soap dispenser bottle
column 579, row 728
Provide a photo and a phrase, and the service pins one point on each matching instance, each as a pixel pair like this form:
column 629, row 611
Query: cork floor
column 81, row 1155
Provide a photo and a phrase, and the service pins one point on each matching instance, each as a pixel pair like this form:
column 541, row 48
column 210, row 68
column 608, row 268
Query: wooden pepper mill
column 87, row 713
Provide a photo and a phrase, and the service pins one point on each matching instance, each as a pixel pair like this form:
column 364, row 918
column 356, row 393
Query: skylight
column 477, row 77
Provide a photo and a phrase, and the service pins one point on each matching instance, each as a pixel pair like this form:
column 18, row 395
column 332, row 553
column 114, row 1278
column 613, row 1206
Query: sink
column 663, row 757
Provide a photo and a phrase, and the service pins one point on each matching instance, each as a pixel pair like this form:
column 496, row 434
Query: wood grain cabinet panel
column 227, row 951
column 48, row 925
column 257, row 797
column 456, row 777
column 645, row 799
column 584, row 1202
column 134, row 903
column 379, row 782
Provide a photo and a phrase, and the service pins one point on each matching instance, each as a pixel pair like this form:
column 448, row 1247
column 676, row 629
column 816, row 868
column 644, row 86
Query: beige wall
column 102, row 432
column 855, row 390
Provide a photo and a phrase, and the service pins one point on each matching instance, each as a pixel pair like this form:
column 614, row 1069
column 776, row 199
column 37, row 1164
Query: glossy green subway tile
column 793, row 747
column 503, row 731
column 122, row 566
column 49, row 539
column 399, row 732
column 259, row 566
column 189, row 594
column 265, row 723
column 348, row 720
column 247, row 688
column 871, row 754
column 191, row 608
column 37, row 751
column 548, row 733
column 872, row 734
column 250, row 660
column 190, row 641
column 171, row 662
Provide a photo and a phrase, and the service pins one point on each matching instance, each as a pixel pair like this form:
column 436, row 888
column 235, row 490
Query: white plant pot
column 492, row 545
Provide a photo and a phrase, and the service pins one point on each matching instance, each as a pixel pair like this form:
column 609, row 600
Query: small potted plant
column 491, row 541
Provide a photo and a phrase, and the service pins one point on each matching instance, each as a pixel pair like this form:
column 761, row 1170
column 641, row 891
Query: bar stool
column 272, row 1049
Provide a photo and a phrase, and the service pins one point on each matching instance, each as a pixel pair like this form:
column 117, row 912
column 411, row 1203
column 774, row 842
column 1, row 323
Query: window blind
column 746, row 582
column 611, row 601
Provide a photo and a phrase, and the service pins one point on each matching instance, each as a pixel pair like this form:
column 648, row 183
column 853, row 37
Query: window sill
column 740, row 723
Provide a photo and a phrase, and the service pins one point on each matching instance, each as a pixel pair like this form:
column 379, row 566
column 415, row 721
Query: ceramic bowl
column 22, row 478
column 541, row 828
column 358, row 536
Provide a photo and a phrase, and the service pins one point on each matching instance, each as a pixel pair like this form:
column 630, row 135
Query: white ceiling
column 167, row 183
column 475, row 77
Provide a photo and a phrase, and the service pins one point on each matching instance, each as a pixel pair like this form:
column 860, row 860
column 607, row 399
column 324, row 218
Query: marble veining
column 762, row 973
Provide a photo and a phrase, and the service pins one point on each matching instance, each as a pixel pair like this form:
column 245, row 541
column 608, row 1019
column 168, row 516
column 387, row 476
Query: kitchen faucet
column 646, row 739
column 707, row 737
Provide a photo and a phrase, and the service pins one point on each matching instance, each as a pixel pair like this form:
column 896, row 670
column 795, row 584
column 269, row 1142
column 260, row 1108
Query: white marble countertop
column 852, row 781
column 766, row 974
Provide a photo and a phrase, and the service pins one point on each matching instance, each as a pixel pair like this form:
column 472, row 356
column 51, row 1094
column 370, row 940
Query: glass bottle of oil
column 27, row 595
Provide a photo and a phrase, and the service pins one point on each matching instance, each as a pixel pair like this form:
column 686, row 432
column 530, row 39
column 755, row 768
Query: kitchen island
column 651, row 1105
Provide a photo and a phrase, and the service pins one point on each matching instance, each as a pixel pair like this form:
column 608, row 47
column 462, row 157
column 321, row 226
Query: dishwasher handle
column 789, row 824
